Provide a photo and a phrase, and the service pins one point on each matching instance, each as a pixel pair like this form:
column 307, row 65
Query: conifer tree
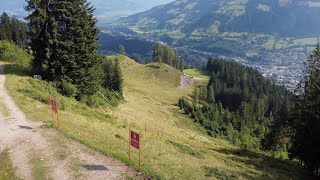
column 108, row 74
column 117, row 78
column 306, row 145
column 181, row 66
column 210, row 96
column 39, row 44
column 64, row 39
column 122, row 50
column 5, row 27
column 15, row 30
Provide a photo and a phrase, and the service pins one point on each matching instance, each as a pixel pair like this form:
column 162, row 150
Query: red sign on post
column 54, row 105
column 135, row 140
column 54, row 109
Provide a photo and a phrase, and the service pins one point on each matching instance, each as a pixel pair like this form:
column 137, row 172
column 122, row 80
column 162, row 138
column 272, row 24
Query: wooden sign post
column 54, row 110
column 134, row 140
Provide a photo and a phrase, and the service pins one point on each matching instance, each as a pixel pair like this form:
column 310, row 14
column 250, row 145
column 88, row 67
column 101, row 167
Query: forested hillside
column 258, row 33
column 13, row 30
column 238, row 103
column 165, row 54
column 274, row 17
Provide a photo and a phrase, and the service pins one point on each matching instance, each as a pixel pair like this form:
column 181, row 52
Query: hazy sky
column 106, row 10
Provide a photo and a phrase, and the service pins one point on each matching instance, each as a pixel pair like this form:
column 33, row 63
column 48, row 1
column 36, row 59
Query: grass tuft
column 6, row 167
column 219, row 174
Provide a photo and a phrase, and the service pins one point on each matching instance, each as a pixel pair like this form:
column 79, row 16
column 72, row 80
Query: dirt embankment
column 185, row 81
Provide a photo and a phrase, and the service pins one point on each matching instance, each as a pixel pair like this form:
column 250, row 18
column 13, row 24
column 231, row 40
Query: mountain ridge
column 266, row 16
column 268, row 32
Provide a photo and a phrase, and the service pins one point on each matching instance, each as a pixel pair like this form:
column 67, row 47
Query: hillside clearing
column 197, row 73
column 173, row 147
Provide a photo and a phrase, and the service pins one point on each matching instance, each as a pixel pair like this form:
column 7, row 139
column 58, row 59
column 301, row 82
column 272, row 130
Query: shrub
column 67, row 89
column 12, row 53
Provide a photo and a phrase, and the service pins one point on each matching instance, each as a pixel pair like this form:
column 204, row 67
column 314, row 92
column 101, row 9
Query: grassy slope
column 173, row 147
column 6, row 168
column 197, row 73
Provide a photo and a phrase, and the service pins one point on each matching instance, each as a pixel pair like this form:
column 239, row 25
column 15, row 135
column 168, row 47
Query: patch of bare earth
column 185, row 81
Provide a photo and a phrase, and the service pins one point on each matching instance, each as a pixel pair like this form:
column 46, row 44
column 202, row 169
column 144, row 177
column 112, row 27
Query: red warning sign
column 54, row 105
column 135, row 139
column 54, row 110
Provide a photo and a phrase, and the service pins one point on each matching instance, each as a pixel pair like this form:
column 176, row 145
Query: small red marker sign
column 54, row 110
column 54, row 105
column 135, row 140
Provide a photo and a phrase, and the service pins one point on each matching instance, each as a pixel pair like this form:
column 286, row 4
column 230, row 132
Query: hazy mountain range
column 272, row 35
column 206, row 17
column 106, row 10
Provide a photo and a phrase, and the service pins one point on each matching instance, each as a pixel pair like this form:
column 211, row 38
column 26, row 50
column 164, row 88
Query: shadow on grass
column 16, row 69
column 156, row 66
column 267, row 164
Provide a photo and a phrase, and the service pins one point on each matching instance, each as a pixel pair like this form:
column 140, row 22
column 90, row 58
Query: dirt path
column 38, row 151
column 185, row 81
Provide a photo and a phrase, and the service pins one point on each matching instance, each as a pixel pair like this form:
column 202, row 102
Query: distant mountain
column 274, row 17
column 109, row 10
column 106, row 10
column 274, row 36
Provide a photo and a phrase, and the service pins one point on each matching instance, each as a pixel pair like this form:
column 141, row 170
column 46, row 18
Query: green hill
column 173, row 146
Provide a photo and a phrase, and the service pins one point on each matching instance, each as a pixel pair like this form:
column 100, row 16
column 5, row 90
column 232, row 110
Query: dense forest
column 238, row 103
column 298, row 129
column 13, row 30
column 165, row 54
column 63, row 38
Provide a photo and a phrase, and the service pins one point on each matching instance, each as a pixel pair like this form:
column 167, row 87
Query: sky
column 106, row 10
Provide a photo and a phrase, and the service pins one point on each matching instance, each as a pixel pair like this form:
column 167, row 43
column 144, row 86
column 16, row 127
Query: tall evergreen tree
column 306, row 144
column 15, row 27
column 38, row 20
column 64, row 40
column 5, row 27
column 122, row 49
column 117, row 79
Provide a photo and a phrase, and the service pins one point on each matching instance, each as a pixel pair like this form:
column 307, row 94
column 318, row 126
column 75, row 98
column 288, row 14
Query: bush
column 67, row 89
column 12, row 53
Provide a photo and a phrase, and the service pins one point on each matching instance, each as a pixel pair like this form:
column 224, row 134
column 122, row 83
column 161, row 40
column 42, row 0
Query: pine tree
column 5, row 27
column 15, row 26
column 39, row 43
column 84, row 68
column 306, row 145
column 117, row 78
column 109, row 69
column 181, row 64
column 210, row 95
column 23, row 36
column 122, row 50
column 64, row 41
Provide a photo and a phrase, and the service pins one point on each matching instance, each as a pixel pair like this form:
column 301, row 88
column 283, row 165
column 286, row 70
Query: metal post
column 140, row 155
column 129, row 144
